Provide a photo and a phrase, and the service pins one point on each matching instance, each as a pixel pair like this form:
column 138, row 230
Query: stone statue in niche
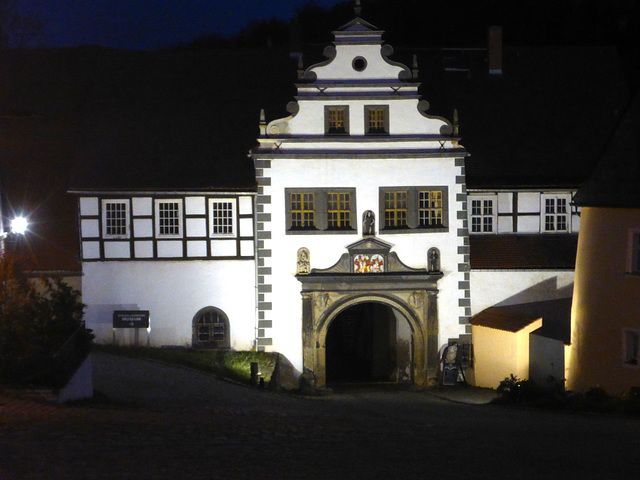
column 304, row 264
column 433, row 260
column 368, row 223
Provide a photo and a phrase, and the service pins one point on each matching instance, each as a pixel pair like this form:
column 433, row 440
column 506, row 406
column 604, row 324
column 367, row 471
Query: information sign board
column 131, row 319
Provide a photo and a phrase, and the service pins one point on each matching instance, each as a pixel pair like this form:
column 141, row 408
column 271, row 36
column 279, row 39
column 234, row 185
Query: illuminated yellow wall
column 606, row 300
column 498, row 354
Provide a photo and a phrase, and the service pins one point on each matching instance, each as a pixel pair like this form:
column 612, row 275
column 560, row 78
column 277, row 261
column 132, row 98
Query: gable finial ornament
column 357, row 9
column 456, row 122
column 368, row 223
column 414, row 67
column 300, row 67
column 303, row 264
column 263, row 123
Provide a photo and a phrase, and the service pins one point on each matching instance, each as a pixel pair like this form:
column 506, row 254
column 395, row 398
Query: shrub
column 35, row 323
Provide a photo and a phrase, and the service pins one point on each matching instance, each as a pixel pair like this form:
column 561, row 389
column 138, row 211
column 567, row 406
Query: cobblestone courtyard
column 169, row 423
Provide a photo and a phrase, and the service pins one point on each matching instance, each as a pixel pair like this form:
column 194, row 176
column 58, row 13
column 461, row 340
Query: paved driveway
column 175, row 423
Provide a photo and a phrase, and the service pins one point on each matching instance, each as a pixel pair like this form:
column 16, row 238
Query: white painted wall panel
column 505, row 202
column 90, row 250
column 88, row 206
column 143, row 249
column 195, row 206
column 196, row 248
column 142, row 227
column 246, row 248
column 169, row 248
column 223, row 248
column 246, row 227
column 142, row 206
column 529, row 202
column 245, row 205
column 529, row 224
column 90, row 228
column 113, row 249
column 505, row 224
column 196, row 227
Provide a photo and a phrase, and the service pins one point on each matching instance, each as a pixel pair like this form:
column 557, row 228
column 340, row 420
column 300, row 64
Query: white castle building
column 358, row 250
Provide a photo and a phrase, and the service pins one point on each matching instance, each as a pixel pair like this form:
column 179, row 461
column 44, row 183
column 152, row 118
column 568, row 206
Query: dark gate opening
column 361, row 345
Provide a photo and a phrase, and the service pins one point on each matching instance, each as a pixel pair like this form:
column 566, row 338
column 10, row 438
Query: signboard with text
column 131, row 319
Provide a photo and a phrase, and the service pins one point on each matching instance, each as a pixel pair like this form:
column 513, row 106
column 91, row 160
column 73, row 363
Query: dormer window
column 336, row 120
column 376, row 119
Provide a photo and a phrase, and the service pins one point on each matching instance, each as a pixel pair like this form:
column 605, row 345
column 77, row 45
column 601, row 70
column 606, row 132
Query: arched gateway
column 370, row 274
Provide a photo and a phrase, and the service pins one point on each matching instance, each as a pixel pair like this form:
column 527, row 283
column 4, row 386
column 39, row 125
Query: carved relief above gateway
column 369, row 272
column 369, row 255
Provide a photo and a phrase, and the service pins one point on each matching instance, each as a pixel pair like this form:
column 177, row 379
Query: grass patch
column 224, row 364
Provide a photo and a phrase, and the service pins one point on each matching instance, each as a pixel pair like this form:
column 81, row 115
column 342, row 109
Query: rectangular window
column 555, row 213
column 482, row 215
column 339, row 210
column 115, row 215
column 303, row 211
column 395, row 209
column 168, row 218
column 631, row 340
column 336, row 119
column 430, row 208
column 320, row 210
column 414, row 208
column 222, row 213
column 376, row 119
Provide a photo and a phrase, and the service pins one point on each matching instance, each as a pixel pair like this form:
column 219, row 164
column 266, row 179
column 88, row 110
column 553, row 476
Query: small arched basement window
column 211, row 329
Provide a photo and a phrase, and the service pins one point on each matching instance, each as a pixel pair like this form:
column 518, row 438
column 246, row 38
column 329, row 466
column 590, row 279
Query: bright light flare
column 19, row 225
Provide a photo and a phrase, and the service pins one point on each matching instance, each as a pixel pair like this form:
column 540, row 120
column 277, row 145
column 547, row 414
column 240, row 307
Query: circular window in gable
column 359, row 64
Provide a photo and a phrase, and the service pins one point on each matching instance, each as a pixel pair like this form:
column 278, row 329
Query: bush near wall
column 42, row 334
column 524, row 392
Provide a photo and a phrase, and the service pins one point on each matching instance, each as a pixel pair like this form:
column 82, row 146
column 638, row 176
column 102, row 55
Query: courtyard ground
column 153, row 421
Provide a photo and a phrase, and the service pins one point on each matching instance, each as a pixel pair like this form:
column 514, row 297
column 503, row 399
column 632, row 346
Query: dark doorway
column 361, row 345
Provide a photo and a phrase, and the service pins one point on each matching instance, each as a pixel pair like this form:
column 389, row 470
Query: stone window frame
column 219, row 327
column 321, row 211
column 384, row 130
column 106, row 220
column 478, row 218
column 551, row 220
column 413, row 207
column 328, row 130
column 214, row 220
column 158, row 220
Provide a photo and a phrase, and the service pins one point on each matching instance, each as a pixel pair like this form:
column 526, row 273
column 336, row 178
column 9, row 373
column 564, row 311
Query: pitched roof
column 616, row 181
column 510, row 319
column 530, row 251
column 555, row 315
column 542, row 123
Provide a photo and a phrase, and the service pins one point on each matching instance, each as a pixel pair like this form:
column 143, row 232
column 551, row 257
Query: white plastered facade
column 297, row 153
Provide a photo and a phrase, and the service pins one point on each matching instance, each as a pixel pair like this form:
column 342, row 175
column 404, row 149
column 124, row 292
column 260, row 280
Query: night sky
column 147, row 24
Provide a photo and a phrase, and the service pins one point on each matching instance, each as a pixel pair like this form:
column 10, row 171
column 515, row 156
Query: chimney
column 495, row 50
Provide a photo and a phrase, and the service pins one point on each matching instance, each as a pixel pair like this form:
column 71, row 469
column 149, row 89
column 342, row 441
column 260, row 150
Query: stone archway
column 369, row 342
column 410, row 291
column 321, row 308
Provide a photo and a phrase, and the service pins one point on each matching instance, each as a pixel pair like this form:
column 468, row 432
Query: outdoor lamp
column 19, row 225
